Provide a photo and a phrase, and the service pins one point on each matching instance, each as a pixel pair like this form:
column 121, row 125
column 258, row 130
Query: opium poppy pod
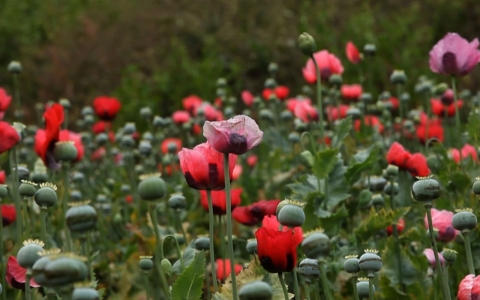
column 81, row 217
column 276, row 250
column 106, row 107
column 65, row 270
column 152, row 187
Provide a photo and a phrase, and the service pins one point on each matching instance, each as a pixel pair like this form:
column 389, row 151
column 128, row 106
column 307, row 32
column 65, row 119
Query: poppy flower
column 280, row 91
column 172, row 142
column 45, row 139
column 103, row 127
column 224, row 268
column 306, row 112
column 202, row 167
column 219, row 200
column 448, row 97
column 442, row 221
column 416, row 163
column 271, row 222
column 5, row 100
column 218, row 102
column 327, row 63
column 292, row 103
column 196, row 129
column 9, row 136
column 106, row 107
column 370, row 121
column 430, row 255
column 469, row 288
column 252, row 160
column 209, row 112
column 351, row 92
column 191, row 102
column 247, row 98
column 254, row 213
column 440, row 109
column 180, row 116
column 454, row 55
column 237, row 171
column 434, row 131
column 397, row 155
column 400, row 227
column 337, row 112
column 3, row 177
column 66, row 135
column 9, row 214
column 353, row 54
column 394, row 103
column 466, row 151
column 16, row 275
column 236, row 135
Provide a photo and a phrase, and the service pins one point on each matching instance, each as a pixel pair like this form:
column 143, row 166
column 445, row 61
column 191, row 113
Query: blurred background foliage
column 155, row 52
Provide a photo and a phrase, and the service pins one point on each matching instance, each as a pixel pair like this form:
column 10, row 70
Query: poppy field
column 334, row 193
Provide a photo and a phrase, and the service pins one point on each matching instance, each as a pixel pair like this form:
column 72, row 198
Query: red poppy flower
column 292, row 103
column 416, row 163
column 196, row 129
column 210, row 113
column 5, row 100
column 327, row 63
column 434, row 131
column 106, row 107
column 280, row 91
column 353, row 54
column 442, row 221
column 337, row 112
column 371, row 121
column 254, row 213
column 306, row 112
column 351, row 92
column 9, row 214
column 430, row 255
column 3, row 177
column 202, row 167
column 101, row 127
column 9, row 136
column 180, row 116
column 237, row 171
column 247, row 98
column 223, row 268
column 439, row 109
column 219, row 200
column 128, row 199
column 16, row 275
column 191, row 103
column 397, row 155
column 469, row 288
column 174, row 141
column 45, row 139
column 400, row 227
column 394, row 103
column 252, row 160
column 271, row 222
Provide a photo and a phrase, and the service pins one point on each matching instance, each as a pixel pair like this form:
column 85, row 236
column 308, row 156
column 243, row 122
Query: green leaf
column 330, row 221
column 342, row 130
column 376, row 221
column 325, row 162
column 189, row 284
column 472, row 127
column 188, row 256
column 362, row 161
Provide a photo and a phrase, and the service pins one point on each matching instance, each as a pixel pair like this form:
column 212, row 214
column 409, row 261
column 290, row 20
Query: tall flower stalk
column 211, row 227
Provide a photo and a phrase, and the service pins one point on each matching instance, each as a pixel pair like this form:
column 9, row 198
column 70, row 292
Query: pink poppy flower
column 237, row 171
column 15, row 275
column 371, row 121
column 431, row 257
column 454, row 55
column 236, row 135
column 469, row 288
column 180, row 116
column 353, row 54
column 327, row 63
column 292, row 103
column 210, row 113
column 9, row 136
column 467, row 151
column 351, row 92
column 280, row 91
column 306, row 112
column 191, row 103
column 252, row 160
column 247, row 98
column 337, row 112
column 3, row 177
column 5, row 100
column 442, row 221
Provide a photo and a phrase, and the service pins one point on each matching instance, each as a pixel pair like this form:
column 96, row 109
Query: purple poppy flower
column 236, row 135
column 454, row 55
column 431, row 257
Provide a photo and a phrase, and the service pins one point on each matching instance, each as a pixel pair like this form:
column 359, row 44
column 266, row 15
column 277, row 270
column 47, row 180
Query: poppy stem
column 306, row 290
column 319, row 103
column 397, row 242
column 468, row 249
column 159, row 251
column 446, row 294
column 147, row 284
column 68, row 237
column 229, row 225
column 28, row 292
column 295, row 284
column 15, row 195
column 282, row 283
column 457, row 114
column 324, row 279
column 445, row 275
column 355, row 291
column 18, row 109
column 179, row 225
column 370, row 287
column 211, row 225
column 25, row 217
column 43, row 220
column 177, row 247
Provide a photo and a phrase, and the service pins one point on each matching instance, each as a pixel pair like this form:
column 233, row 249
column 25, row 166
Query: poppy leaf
column 342, row 131
column 190, row 283
column 325, row 162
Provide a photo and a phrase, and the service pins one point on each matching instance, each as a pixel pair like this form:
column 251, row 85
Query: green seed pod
column 81, row 217
column 3, row 190
column 229, row 112
column 440, row 88
column 127, row 141
column 46, row 195
column 476, row 186
column 147, row 136
column 76, row 195
column 146, row 112
column 272, row 67
column 398, row 77
column 300, row 126
column 449, row 255
column 307, row 44
column 125, row 188
column 177, row 202
column 27, row 189
column 14, row 67
column 256, row 290
column 152, row 187
column 88, row 120
column 392, row 171
column 252, row 246
column 202, row 243
column 427, row 189
column 266, row 115
column 309, row 268
column 64, row 270
column 286, row 116
column 354, row 112
column 85, row 293
column 316, row 245
column 158, row 122
column 145, row 263
column 87, row 110
column 172, row 148
column 28, row 254
column 39, row 266
column 129, row 128
column 335, row 79
column 23, row 173
column 391, row 189
column 366, row 98
column 291, row 216
column 378, row 200
column 464, row 220
column 370, row 50
column 364, row 198
column 101, row 139
column 65, row 103
column 307, row 158
column 294, row 137
column 65, row 151
column 363, row 288
column 351, row 264
column 166, row 266
column 370, row 262
column 405, row 97
column 39, row 177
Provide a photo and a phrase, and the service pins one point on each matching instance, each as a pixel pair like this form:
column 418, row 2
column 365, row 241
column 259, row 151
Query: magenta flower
column 236, row 135
column 442, row 221
column 327, row 63
column 431, row 257
column 469, row 288
column 454, row 55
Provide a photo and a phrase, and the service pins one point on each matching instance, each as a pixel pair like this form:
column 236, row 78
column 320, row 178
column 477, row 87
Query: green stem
column 457, row 115
column 18, row 112
column 445, row 276
column 222, row 243
column 466, row 236
column 229, row 225
column 211, row 226
column 400, row 104
column 179, row 224
column 446, row 294
column 28, row 292
column 66, row 195
column 25, row 217
column 295, row 284
column 370, row 287
column 43, row 220
column 284, row 286
column 65, row 119
column 306, row 290
column 2, row 266
column 355, row 291
column 319, row 103
column 15, row 194
column 147, row 282
column 89, row 256
column 324, row 279
column 427, row 125
column 158, row 250
column 177, row 246
column 397, row 242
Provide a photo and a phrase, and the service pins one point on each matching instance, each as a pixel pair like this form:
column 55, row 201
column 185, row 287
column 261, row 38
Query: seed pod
column 370, row 262
column 81, row 217
column 152, row 187
column 309, row 268
column 177, row 202
column 370, row 50
column 252, row 246
column 316, row 245
column 65, row 270
column 28, row 254
column 202, row 243
column 145, row 263
column 426, row 189
column 363, row 288
column 46, row 195
column 398, row 77
column 476, row 186
column 256, row 290
column 464, row 220
column 3, row 190
column 166, row 266
column 146, row 112
column 351, row 264
column 85, row 293
column 27, row 189
column 291, row 216
column 14, row 67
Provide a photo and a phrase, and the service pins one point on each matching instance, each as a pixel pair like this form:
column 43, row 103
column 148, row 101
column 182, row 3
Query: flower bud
column 46, row 195
column 3, row 190
column 307, row 44
column 307, row 158
column 14, row 67
column 370, row 262
column 23, row 172
column 28, row 254
column 370, row 50
column 81, row 217
column 316, row 245
column 166, row 267
column 398, row 77
column 27, row 189
column 145, row 148
column 363, row 288
column 335, row 79
column 426, row 189
column 65, row 151
column 85, row 293
column 256, row 290
column 145, row 112
column 464, row 220
column 252, row 246
column 145, row 263
column 449, row 255
column 202, row 243
column 351, row 264
column 152, row 187
column 177, row 202
column 364, row 198
column 309, row 268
